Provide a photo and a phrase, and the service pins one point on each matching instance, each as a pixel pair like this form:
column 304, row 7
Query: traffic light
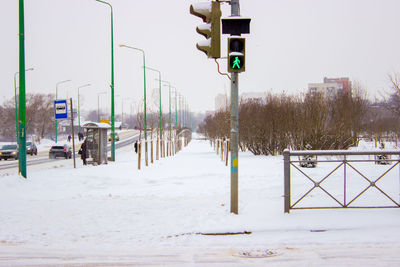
column 236, row 54
column 210, row 13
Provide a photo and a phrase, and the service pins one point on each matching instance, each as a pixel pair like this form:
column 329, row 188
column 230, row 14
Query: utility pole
column 234, row 138
column 112, row 84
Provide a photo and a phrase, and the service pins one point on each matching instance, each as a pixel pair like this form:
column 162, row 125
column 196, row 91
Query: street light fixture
column 79, row 108
column 98, row 106
column 112, row 85
column 55, row 131
column 16, row 103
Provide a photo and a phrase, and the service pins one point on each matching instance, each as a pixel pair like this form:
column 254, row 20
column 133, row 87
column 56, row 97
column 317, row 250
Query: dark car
column 9, row 151
column 60, row 151
column 31, row 148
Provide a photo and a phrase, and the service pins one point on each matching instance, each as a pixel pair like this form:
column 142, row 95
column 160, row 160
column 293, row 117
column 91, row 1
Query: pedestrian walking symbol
column 236, row 63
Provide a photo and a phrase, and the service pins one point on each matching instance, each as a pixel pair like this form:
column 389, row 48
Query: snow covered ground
column 117, row 215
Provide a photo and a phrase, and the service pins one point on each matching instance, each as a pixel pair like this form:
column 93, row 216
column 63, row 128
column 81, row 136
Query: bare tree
column 393, row 102
column 39, row 116
column 268, row 126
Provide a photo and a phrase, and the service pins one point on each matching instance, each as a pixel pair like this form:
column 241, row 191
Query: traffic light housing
column 210, row 13
column 236, row 54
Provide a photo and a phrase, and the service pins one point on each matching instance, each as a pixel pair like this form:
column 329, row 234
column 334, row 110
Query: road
column 126, row 138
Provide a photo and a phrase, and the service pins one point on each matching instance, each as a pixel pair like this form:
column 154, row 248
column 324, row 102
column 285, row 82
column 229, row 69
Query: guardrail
column 347, row 160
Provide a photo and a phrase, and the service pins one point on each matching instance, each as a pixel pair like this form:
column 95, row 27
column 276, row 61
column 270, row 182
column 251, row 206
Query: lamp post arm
column 59, row 84
column 105, row 3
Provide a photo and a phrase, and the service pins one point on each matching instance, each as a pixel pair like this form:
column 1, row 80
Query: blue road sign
column 60, row 109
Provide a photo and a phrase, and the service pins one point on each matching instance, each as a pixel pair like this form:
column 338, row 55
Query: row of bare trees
column 39, row 118
column 268, row 126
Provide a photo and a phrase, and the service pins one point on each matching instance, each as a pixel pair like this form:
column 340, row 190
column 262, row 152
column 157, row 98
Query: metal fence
column 348, row 160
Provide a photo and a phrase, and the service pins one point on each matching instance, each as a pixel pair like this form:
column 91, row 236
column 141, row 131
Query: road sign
column 60, row 109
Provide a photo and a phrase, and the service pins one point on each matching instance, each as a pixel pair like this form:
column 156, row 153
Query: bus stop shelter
column 96, row 135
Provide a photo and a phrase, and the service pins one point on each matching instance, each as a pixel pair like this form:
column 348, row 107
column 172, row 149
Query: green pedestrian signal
column 236, row 63
column 236, row 54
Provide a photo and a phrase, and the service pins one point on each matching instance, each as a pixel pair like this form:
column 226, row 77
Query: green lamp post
column 22, row 98
column 170, row 114
column 112, row 85
column 144, row 87
column 159, row 91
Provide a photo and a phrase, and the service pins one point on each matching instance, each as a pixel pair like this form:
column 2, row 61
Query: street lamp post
column 112, row 85
column 144, row 101
column 98, row 105
column 16, row 103
column 176, row 110
column 122, row 109
column 55, row 129
column 144, row 88
column 180, row 111
column 22, row 98
column 170, row 118
column 116, row 96
column 122, row 113
column 79, row 108
column 159, row 91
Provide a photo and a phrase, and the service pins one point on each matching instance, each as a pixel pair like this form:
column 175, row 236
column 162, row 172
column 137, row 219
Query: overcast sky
column 292, row 43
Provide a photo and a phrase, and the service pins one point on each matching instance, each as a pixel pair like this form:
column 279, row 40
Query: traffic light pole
column 234, row 138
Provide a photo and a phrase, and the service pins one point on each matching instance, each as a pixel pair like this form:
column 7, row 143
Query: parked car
column 64, row 151
column 116, row 137
column 9, row 151
column 31, row 148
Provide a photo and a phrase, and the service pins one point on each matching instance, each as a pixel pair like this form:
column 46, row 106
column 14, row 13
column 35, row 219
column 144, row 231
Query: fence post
column 227, row 152
column 152, row 158
column 146, row 153
column 222, row 150
column 157, row 148
column 139, row 154
column 286, row 171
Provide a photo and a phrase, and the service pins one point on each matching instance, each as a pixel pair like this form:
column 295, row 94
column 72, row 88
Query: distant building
column 331, row 87
column 222, row 102
column 344, row 82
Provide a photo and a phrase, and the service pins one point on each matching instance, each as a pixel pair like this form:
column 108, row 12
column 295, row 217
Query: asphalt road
column 126, row 138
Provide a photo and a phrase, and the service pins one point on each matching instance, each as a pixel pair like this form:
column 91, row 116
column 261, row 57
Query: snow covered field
column 116, row 215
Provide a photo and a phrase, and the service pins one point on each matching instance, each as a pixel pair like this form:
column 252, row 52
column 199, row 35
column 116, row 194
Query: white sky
column 292, row 43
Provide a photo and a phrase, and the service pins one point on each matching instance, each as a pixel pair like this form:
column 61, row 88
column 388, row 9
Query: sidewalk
column 164, row 214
